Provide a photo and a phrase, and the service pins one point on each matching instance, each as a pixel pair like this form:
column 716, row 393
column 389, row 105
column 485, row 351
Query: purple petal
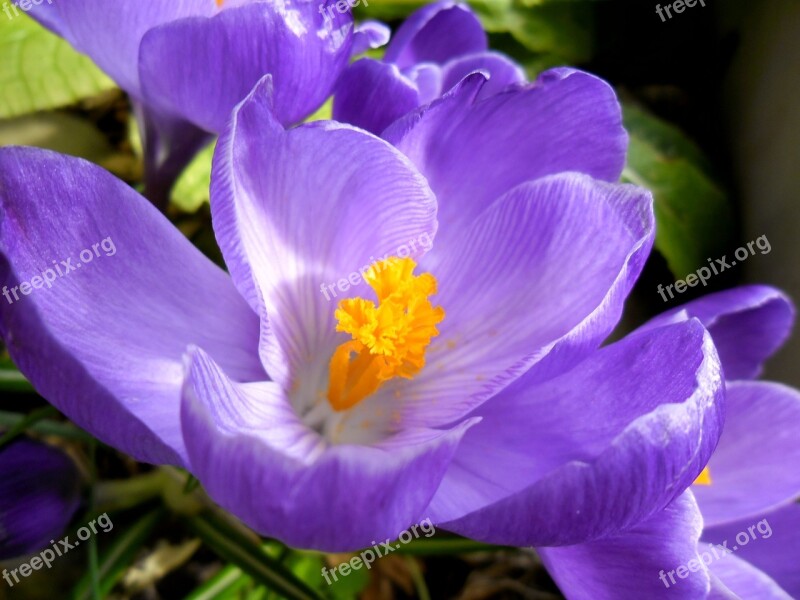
column 635, row 564
column 104, row 343
column 40, row 491
column 372, row 95
column 595, row 451
column 773, row 546
column 370, row 35
column 257, row 460
column 748, row 324
column 436, row 33
column 294, row 210
column 501, row 71
column 735, row 579
column 579, row 245
column 474, row 152
column 201, row 68
column 754, row 468
column 110, row 32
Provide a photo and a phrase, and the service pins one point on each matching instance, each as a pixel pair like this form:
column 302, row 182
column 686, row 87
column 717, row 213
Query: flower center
column 704, row 478
column 388, row 339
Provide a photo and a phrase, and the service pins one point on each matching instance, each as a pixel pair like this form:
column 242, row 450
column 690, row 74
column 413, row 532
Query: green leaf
column 45, row 427
column 438, row 546
column 26, row 422
column 694, row 218
column 119, row 557
column 232, row 545
column 225, row 585
column 41, row 71
column 191, row 189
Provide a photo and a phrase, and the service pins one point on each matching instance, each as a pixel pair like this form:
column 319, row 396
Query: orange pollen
column 389, row 339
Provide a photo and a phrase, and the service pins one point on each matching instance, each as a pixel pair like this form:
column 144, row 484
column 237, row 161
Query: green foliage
column 40, row 71
column 694, row 218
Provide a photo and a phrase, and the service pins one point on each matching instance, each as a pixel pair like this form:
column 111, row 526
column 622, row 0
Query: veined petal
column 635, row 564
column 372, row 94
column 773, row 546
column 370, row 35
column 300, row 209
column 595, row 451
column 256, row 459
column 748, row 323
column 40, row 491
column 502, row 72
column 537, row 282
column 104, row 342
column 472, row 152
column 754, row 468
column 201, row 68
column 436, row 33
column 735, row 579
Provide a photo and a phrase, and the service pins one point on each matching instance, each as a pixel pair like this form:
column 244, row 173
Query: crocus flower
column 187, row 64
column 40, row 491
column 436, row 47
column 380, row 331
column 743, row 506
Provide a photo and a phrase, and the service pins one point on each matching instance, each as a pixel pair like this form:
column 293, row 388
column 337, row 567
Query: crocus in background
column 749, row 488
column 333, row 424
column 187, row 63
column 40, row 492
column 436, row 47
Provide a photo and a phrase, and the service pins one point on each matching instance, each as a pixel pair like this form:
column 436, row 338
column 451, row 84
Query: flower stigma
column 389, row 339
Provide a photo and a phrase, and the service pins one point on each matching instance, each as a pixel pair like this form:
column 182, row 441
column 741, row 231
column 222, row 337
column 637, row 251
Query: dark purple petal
column 635, row 564
column 537, row 282
column 754, row 468
column 501, row 70
column 372, row 94
column 773, row 547
column 255, row 458
column 436, row 33
column 104, row 343
column 592, row 452
column 201, row 68
column 295, row 210
column 40, row 491
column 474, row 152
column 735, row 579
column 748, row 324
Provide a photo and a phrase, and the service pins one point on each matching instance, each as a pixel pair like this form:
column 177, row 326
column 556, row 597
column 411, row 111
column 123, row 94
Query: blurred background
column 711, row 104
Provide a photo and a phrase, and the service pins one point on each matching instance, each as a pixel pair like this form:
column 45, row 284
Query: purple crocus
column 743, row 507
column 40, row 491
column 436, row 47
column 187, row 63
column 381, row 332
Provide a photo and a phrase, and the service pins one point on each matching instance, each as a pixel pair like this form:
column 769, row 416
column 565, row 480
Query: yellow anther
column 704, row 478
column 389, row 338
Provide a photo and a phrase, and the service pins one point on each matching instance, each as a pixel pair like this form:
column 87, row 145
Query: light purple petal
column 202, row 68
column 370, row 35
column 436, row 33
column 592, row 452
column 474, row 152
column 748, row 324
column 501, row 70
column 773, row 546
column 735, row 579
column 296, row 210
column 40, row 491
column 372, row 94
column 257, row 460
column 631, row 565
column 104, row 344
column 537, row 282
column 755, row 467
